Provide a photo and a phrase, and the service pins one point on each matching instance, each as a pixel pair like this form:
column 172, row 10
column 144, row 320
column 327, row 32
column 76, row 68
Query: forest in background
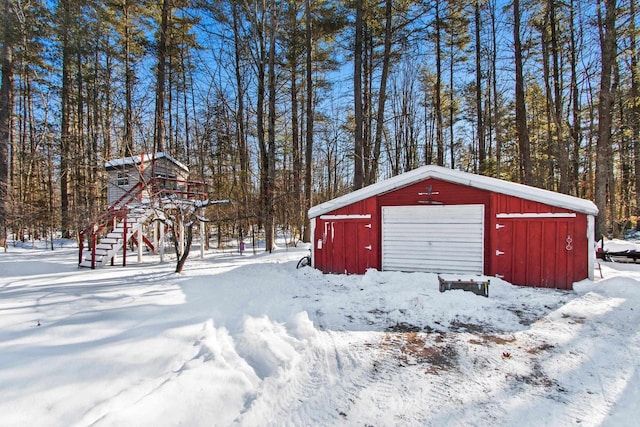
column 279, row 105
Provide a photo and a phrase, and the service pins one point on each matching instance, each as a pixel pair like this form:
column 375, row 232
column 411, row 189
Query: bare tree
column 181, row 216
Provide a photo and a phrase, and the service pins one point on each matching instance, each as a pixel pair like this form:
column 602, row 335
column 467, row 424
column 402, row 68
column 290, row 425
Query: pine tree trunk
column 382, row 95
column 65, row 130
column 269, row 222
column 158, row 138
column 6, row 108
column 308, row 158
column 521, row 113
column 635, row 109
column 438, row 90
column 482, row 151
column 358, row 155
column 561, row 145
column 494, row 84
column 603, row 145
column 576, row 134
column 127, row 140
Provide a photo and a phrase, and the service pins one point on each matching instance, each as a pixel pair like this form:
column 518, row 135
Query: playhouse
column 439, row 220
column 125, row 173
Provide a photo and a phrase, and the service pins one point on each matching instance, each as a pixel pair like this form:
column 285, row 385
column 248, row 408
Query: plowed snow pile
column 251, row 341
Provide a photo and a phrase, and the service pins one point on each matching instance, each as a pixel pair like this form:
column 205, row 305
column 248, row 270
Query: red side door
column 535, row 251
column 348, row 247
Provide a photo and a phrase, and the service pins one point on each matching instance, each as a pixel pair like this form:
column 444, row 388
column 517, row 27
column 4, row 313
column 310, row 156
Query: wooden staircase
column 125, row 227
column 111, row 232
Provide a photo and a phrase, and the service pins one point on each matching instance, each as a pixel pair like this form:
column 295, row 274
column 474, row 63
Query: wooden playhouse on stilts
column 139, row 188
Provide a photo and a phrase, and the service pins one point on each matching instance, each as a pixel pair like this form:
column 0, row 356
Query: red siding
column 511, row 204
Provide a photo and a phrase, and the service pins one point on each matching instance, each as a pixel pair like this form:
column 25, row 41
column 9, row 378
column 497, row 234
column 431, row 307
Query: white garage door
column 436, row 239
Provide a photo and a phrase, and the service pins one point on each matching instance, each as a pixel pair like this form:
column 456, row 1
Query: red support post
column 93, row 251
column 124, row 243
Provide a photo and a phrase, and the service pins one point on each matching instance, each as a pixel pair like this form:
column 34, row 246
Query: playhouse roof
column 458, row 177
column 136, row 160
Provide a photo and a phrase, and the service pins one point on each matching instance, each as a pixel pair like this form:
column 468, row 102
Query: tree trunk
column 269, row 224
column 158, row 137
column 182, row 257
column 298, row 195
column 482, row 152
column 127, row 142
column 635, row 109
column 240, row 133
column 358, row 155
column 308, row 158
column 6, row 109
column 262, row 144
column 452, row 151
column 550, row 149
column 438, row 90
column 576, row 134
column 497, row 128
column 65, row 130
column 561, row 145
column 521, row 112
column 382, row 96
column 603, row 145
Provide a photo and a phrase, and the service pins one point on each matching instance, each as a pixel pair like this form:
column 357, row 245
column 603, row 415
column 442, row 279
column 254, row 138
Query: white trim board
column 338, row 217
column 536, row 215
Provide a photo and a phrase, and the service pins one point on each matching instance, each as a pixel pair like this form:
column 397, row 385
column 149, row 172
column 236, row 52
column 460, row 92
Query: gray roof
column 136, row 160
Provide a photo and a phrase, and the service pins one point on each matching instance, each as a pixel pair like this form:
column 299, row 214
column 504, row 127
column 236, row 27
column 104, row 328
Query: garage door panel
column 430, row 248
column 463, row 257
column 460, row 229
column 418, row 214
column 432, row 266
column 415, row 219
column 442, row 239
column 410, row 238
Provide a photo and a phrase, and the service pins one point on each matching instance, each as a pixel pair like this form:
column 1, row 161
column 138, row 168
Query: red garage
column 440, row 220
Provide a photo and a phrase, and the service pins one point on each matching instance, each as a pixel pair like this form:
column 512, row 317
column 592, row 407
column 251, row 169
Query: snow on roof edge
column 135, row 160
column 458, row 177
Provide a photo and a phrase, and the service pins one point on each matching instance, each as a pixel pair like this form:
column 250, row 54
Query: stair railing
column 107, row 221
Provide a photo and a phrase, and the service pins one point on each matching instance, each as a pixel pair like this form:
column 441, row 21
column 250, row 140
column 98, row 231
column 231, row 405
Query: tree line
column 278, row 105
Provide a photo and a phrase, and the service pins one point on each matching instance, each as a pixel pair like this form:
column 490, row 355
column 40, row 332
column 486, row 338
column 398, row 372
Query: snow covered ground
column 251, row 341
